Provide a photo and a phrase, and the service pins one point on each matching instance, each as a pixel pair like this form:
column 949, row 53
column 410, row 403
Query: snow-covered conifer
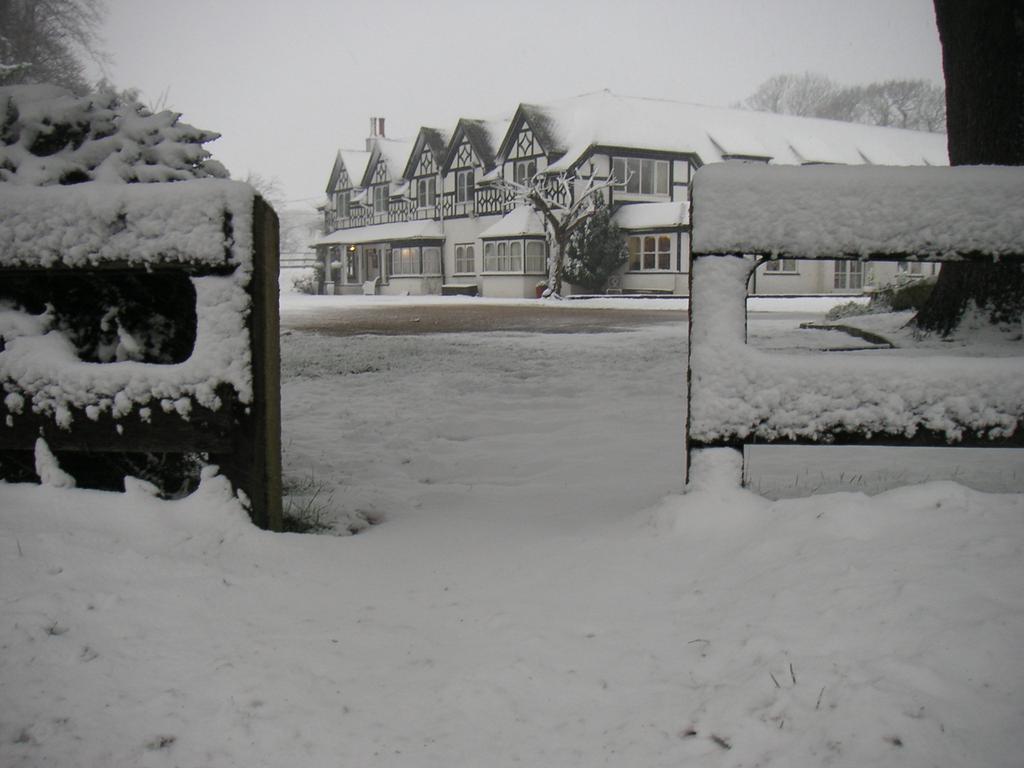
column 50, row 136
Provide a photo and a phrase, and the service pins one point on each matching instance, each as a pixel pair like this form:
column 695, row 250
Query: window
column 405, row 261
column 525, row 170
column 412, row 260
column 909, row 267
column 426, row 192
column 515, row 256
column 640, row 176
column 464, row 186
column 650, row 253
column 350, row 260
column 343, row 202
column 431, row 260
column 848, row 275
column 508, row 256
column 465, row 259
column 380, row 198
column 784, row 266
column 535, row 257
column 496, row 256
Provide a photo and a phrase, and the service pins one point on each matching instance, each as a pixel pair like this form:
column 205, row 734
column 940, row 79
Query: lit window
column 650, row 253
column 405, row 261
column 465, row 259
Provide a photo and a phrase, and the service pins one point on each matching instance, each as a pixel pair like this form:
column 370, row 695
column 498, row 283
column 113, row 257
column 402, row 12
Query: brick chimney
column 376, row 131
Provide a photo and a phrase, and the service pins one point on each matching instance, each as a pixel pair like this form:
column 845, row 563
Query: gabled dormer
column 423, row 169
column 469, row 157
column 530, row 143
column 349, row 165
column 382, row 178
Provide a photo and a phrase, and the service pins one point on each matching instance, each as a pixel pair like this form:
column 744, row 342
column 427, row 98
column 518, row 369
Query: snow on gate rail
column 743, row 214
column 222, row 398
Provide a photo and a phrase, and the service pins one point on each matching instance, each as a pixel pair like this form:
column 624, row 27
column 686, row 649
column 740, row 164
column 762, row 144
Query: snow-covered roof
column 395, row 153
column 426, row 229
column 829, row 211
column 436, row 139
column 353, row 162
column 652, row 216
column 521, row 221
column 571, row 127
column 484, row 137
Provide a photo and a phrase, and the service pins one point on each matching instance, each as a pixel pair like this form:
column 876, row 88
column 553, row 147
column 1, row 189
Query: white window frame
column 465, row 259
column 647, row 252
column 426, row 192
column 524, row 170
column 848, row 275
column 464, row 186
column 536, row 263
column 414, row 260
column 641, row 176
column 430, row 260
column 782, row 267
column 516, row 256
column 380, row 198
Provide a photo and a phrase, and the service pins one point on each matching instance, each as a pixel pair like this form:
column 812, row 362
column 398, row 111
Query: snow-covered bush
column 50, row 136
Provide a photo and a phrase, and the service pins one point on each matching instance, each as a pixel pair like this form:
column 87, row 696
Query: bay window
column 649, row 253
column 518, row 256
column 535, row 256
column 415, row 260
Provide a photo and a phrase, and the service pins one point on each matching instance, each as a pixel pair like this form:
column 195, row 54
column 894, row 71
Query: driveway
column 403, row 319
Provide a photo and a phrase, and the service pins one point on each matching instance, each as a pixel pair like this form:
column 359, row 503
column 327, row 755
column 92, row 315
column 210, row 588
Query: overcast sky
column 288, row 82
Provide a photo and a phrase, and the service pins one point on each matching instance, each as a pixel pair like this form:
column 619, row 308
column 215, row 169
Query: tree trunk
column 983, row 63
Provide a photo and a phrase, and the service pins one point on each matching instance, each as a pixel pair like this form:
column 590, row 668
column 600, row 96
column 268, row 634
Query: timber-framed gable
column 423, row 173
column 462, row 171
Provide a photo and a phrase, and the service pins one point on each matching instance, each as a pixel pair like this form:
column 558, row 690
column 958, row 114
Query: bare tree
column 564, row 203
column 914, row 104
column 47, row 41
column 802, row 95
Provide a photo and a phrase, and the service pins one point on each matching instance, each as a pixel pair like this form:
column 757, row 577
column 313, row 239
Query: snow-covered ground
column 538, row 591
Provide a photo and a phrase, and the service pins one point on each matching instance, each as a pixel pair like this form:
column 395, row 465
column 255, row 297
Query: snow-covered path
column 535, row 595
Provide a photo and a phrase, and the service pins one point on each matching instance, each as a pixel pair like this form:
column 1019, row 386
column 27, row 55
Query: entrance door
column 372, row 263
